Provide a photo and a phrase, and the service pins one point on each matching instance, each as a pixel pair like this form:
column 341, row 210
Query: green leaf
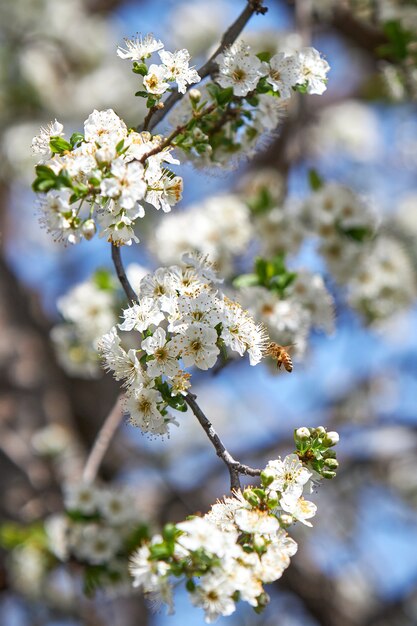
column 151, row 101
column 252, row 100
column 103, row 279
column 42, row 185
column 262, row 202
column 264, row 56
column 245, row 280
column 301, row 88
column 224, row 96
column 140, row 68
column 399, row 39
column 59, row 145
column 213, row 90
column 263, row 86
column 142, row 94
column 160, row 551
column 76, row 139
column 43, row 171
column 315, row 180
column 357, row 233
column 119, row 146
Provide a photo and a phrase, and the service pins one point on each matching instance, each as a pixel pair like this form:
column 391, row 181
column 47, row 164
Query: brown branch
column 121, row 274
column 235, row 468
column 176, row 132
column 229, row 37
column 103, row 440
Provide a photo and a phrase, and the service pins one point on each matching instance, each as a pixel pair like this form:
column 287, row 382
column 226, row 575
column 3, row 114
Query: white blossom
column 155, row 81
column 313, row 70
column 104, row 128
column 142, row 315
column 283, row 73
column 40, row 143
column 178, row 70
column 198, row 346
column 240, row 69
column 139, row 48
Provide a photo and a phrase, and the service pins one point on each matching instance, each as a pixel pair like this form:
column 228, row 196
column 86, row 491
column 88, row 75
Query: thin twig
column 235, row 468
column 121, row 274
column 176, row 132
column 229, row 37
column 149, row 116
column 103, row 440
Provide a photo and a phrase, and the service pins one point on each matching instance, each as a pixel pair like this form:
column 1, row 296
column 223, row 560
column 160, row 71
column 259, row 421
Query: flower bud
column 329, row 454
column 267, row 477
column 195, row 94
column 258, row 541
column 328, row 474
column 302, row 434
column 105, row 155
column 273, row 502
column 331, row 464
column 198, row 134
column 331, row 438
column 251, row 497
column 88, row 229
column 286, row 519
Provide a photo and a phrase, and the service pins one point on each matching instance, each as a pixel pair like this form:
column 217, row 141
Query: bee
column 280, row 354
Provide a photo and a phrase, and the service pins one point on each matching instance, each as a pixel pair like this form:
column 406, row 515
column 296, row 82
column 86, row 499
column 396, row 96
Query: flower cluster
column 290, row 314
column 98, row 529
column 88, row 310
column 250, row 94
column 242, row 543
column 384, row 283
column 174, row 67
column 344, row 224
column 218, row 227
column 102, row 179
column 284, row 72
column 181, row 320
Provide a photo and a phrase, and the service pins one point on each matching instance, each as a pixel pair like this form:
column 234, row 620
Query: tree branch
column 112, row 421
column 121, row 274
column 103, row 440
column 177, row 131
column 229, row 37
column 235, row 468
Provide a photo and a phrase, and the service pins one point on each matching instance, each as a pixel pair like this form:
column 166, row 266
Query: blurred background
column 358, row 565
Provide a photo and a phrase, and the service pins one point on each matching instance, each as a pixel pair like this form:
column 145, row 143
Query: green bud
column 169, row 532
column 273, row 503
column 329, row 454
column 267, row 478
column 331, row 464
column 328, row 474
column 190, row 585
column 251, row 497
column 140, row 68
